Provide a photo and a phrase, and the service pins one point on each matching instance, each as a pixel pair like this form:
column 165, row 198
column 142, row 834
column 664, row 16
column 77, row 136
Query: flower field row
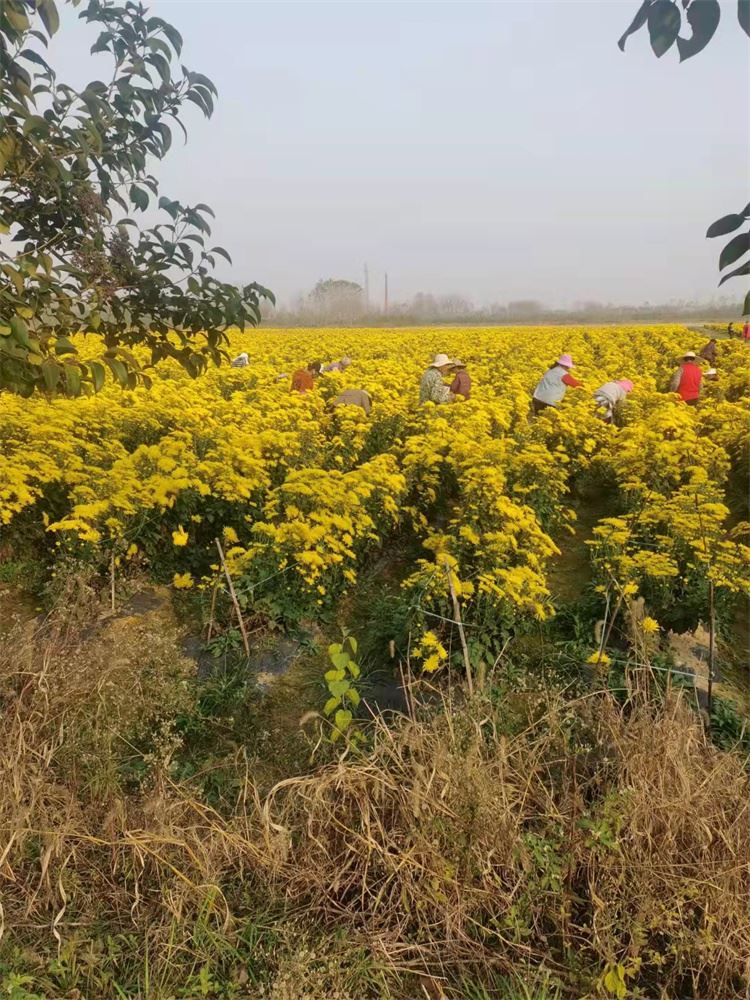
column 301, row 492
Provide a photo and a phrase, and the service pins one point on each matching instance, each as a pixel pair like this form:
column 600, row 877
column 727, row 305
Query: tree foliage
column 690, row 27
column 337, row 300
column 75, row 165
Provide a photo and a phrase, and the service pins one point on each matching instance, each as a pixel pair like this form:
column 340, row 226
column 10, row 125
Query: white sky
column 500, row 150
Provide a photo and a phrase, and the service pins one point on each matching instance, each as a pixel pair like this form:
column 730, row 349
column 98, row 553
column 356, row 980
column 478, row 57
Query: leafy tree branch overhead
column 75, row 165
column 689, row 27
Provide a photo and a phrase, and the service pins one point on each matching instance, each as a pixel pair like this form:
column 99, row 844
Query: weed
column 342, row 689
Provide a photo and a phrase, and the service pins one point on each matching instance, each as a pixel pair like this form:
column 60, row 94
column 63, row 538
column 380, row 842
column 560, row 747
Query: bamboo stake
column 608, row 631
column 112, row 579
column 233, row 595
column 461, row 633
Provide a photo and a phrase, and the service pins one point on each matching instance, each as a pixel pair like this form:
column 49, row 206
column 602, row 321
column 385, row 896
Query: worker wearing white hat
column 432, row 389
column 686, row 381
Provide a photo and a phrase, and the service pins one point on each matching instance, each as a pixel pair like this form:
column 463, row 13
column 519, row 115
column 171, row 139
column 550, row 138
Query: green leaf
column 734, row 249
column 34, row 57
column 72, row 380
column 20, row 331
column 169, row 30
column 636, row 24
column 97, row 375
column 64, row 346
column 353, row 695
column 7, row 148
column 221, row 252
column 352, row 643
column 203, row 81
column 354, row 669
column 15, row 276
column 330, row 705
column 663, row 25
column 334, row 675
column 743, row 15
column 343, row 719
column 703, row 17
column 742, row 269
column 139, row 197
column 50, row 373
column 338, row 688
column 162, row 66
column 35, row 123
column 50, row 17
column 335, row 647
column 16, row 18
column 119, row 370
column 340, row 660
column 726, row 224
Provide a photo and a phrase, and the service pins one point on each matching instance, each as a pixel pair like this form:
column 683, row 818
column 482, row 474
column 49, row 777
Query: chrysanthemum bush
column 311, row 492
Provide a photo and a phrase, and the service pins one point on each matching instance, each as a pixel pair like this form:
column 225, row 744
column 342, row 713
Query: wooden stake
column 461, row 633
column 112, row 579
column 233, row 595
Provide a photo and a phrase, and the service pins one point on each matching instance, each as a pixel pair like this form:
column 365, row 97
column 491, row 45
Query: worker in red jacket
column 686, row 381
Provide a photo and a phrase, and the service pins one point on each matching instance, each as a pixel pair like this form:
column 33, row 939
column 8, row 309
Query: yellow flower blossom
column 180, row 537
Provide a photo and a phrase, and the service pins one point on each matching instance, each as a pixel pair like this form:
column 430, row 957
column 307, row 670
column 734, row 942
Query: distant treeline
column 330, row 304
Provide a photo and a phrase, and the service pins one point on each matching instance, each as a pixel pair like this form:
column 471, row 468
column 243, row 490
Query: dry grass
column 461, row 845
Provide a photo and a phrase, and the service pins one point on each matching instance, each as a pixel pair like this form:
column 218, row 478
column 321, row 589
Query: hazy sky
column 499, row 150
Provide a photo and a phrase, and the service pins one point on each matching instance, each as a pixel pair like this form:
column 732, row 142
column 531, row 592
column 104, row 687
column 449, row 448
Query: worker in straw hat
column 610, row 397
column 553, row 385
column 686, row 381
column 461, row 384
column 432, row 389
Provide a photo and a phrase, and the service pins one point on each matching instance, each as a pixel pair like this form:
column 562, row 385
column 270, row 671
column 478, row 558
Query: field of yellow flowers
column 302, row 495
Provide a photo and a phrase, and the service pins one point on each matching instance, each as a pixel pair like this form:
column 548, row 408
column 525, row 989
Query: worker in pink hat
column 553, row 385
column 610, row 397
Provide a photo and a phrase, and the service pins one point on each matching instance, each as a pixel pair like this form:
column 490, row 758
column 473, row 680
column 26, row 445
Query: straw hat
column 688, row 356
column 441, row 360
column 566, row 361
column 458, row 363
column 711, row 371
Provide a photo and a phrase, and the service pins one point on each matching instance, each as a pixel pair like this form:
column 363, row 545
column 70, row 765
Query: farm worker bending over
column 461, row 384
column 354, row 397
column 338, row 366
column 709, row 351
column 432, row 389
column 241, row 361
column 553, row 385
column 302, row 380
column 686, row 381
column 611, row 395
column 746, row 330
